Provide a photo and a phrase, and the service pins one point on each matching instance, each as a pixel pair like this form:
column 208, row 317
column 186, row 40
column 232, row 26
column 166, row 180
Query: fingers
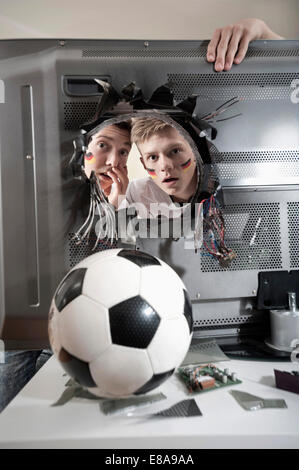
column 123, row 177
column 229, row 44
column 243, row 47
column 222, row 47
column 212, row 47
column 120, row 178
column 115, row 180
column 232, row 48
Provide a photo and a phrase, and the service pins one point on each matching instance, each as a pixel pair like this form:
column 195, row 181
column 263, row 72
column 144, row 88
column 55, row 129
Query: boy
column 169, row 161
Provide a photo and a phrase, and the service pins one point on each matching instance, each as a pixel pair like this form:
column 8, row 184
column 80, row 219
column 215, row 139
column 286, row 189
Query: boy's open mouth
column 170, row 181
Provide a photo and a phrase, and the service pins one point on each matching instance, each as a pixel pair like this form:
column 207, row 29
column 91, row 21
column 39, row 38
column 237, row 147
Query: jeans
column 19, row 367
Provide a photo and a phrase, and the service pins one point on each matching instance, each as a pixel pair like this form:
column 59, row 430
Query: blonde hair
column 144, row 128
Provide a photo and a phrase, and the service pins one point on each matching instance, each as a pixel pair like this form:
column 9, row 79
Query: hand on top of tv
column 229, row 44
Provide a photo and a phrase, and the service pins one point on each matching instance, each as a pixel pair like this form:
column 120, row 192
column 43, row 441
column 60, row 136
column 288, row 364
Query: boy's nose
column 166, row 163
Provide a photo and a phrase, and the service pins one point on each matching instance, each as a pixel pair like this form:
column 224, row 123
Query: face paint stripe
column 185, row 166
column 88, row 157
column 152, row 173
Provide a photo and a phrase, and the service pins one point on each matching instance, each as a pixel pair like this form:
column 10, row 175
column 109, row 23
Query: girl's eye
column 176, row 151
column 153, row 158
column 101, row 145
column 124, row 153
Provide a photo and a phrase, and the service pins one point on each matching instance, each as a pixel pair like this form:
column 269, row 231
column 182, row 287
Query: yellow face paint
column 89, row 158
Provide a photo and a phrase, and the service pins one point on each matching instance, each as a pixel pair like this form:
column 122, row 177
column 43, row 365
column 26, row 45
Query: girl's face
column 108, row 149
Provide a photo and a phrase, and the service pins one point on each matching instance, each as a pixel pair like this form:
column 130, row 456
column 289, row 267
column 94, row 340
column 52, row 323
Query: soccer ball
column 120, row 323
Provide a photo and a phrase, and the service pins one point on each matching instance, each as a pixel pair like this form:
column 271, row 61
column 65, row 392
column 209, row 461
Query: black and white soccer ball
column 120, row 323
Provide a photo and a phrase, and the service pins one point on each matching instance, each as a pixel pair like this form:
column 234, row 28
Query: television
column 48, row 90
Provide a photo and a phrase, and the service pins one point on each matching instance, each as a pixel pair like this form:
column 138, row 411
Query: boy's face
column 108, row 149
column 169, row 160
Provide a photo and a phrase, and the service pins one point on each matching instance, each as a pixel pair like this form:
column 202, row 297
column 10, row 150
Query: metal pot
column 284, row 326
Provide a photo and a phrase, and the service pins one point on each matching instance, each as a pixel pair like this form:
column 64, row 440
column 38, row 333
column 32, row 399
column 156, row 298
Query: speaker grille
column 263, row 156
column 276, row 170
column 77, row 113
column 144, row 52
column 252, row 52
column 163, row 52
column 77, row 252
column 293, row 220
column 262, row 164
column 219, row 86
column 220, row 321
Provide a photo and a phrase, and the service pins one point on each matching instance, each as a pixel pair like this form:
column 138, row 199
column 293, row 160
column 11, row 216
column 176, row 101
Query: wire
column 214, row 227
column 209, row 117
column 98, row 204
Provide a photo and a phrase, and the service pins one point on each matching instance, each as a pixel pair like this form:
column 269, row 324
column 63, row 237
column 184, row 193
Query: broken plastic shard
column 203, row 351
column 129, row 405
column 252, row 402
column 184, row 408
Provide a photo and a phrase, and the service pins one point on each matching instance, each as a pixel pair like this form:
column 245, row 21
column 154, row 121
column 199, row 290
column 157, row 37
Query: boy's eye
column 152, row 158
column 124, row 153
column 176, row 151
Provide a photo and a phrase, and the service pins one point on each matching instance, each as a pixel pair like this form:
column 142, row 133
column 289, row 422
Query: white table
column 30, row 422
